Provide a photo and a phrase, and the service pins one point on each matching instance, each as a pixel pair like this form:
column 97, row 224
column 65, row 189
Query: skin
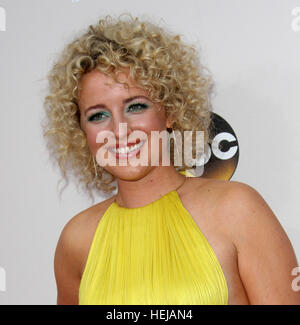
column 253, row 250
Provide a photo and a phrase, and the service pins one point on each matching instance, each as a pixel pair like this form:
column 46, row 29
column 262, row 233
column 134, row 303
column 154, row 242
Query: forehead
column 100, row 77
column 96, row 83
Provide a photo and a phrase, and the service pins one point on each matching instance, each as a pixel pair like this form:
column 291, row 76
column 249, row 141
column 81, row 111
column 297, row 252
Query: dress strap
column 181, row 183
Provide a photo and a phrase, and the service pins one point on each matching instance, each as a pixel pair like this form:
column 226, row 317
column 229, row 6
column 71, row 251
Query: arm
column 265, row 255
column 67, row 265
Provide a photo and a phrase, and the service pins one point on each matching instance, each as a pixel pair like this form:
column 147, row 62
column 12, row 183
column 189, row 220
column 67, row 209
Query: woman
column 164, row 238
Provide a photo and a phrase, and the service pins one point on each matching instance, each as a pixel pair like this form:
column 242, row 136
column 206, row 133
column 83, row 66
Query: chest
column 155, row 256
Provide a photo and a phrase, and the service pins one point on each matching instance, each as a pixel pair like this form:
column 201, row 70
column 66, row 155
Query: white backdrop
column 251, row 47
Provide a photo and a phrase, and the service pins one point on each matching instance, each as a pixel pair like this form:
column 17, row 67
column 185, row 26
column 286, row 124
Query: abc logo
column 221, row 155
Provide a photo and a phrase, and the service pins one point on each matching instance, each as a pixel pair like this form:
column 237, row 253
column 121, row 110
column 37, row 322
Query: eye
column 97, row 117
column 137, row 107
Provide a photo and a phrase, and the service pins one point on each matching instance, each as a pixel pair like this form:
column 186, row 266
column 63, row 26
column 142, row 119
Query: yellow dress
column 151, row 255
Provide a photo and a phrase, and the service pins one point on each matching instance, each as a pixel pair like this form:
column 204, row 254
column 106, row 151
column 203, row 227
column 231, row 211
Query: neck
column 158, row 182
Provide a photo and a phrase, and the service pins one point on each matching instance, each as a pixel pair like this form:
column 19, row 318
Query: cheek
column 91, row 135
column 152, row 121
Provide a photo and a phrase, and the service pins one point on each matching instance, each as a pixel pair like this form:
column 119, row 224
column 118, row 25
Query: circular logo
column 222, row 154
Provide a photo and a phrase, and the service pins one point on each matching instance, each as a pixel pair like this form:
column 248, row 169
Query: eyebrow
column 125, row 101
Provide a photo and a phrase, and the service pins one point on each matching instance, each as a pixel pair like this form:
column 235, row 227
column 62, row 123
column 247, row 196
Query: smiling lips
column 126, row 151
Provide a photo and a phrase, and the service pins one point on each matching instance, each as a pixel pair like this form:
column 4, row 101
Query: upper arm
column 67, row 266
column 265, row 255
column 72, row 252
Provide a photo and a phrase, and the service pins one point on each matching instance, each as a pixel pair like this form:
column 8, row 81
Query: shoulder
column 265, row 256
column 77, row 235
column 245, row 210
column 239, row 212
column 85, row 221
column 240, row 208
column 72, row 251
column 251, row 221
column 233, row 201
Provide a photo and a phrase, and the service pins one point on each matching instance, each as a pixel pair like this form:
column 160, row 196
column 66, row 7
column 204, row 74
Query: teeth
column 128, row 149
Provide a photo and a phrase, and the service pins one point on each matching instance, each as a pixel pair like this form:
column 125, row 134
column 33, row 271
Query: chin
column 129, row 173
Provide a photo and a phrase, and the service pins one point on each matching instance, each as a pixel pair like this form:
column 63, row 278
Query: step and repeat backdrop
column 250, row 47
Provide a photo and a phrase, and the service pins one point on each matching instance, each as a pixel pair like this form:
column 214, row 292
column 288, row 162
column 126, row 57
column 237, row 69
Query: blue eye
column 97, row 117
column 137, row 107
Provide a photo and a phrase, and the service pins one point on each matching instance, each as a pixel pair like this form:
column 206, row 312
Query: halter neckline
column 151, row 203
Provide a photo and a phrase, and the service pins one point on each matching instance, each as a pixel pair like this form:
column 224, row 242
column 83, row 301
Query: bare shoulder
column 265, row 255
column 234, row 201
column 241, row 209
column 85, row 219
column 72, row 251
column 244, row 208
column 77, row 234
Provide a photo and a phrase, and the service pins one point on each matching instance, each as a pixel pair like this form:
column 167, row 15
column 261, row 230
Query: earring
column 95, row 168
column 177, row 148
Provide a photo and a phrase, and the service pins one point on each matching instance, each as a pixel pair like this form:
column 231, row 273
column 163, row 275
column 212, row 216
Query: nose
column 121, row 129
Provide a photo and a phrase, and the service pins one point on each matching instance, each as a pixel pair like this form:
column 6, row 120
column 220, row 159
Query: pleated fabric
column 151, row 255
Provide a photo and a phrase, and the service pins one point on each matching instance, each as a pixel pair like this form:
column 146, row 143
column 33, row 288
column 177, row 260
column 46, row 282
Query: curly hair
column 158, row 61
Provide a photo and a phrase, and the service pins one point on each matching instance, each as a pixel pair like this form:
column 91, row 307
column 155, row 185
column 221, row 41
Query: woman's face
column 104, row 104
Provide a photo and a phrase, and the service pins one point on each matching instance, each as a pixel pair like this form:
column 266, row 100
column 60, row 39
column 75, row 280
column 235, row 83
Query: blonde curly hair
column 158, row 61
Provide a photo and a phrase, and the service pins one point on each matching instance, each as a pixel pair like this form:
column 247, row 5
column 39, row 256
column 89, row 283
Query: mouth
column 127, row 151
